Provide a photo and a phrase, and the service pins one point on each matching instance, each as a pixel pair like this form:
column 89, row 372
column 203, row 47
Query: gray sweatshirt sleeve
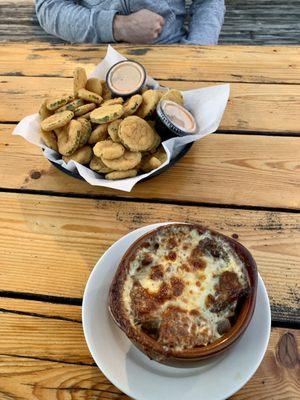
column 207, row 17
column 74, row 23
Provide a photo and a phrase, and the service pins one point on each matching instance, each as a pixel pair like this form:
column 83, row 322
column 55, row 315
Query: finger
column 155, row 34
column 158, row 28
column 161, row 21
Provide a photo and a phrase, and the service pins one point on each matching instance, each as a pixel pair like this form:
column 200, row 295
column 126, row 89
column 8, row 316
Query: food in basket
column 108, row 149
column 107, row 133
column 136, row 134
column 82, row 155
column 94, row 85
column 106, row 114
column 128, row 160
column 182, row 288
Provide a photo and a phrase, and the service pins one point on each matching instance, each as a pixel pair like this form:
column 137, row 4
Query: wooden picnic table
column 244, row 180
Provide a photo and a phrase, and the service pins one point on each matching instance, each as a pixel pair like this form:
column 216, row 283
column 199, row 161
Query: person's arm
column 207, row 17
column 75, row 23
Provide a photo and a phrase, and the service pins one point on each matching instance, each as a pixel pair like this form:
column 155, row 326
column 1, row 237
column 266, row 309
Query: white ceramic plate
column 142, row 379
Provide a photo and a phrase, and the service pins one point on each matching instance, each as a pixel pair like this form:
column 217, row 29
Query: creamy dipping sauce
column 126, row 77
column 179, row 116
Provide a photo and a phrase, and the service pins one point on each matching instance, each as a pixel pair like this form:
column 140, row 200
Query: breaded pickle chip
column 128, row 160
column 106, row 92
column 86, row 116
column 68, row 138
column 98, row 134
column 97, row 165
column 86, row 108
column 106, row 114
column 116, row 100
column 148, row 106
column 94, row 85
column 71, row 106
column 113, row 129
column 153, row 161
column 136, row 134
column 132, row 104
column 89, row 96
column 80, row 80
column 82, row 155
column 86, row 130
column 173, row 95
column 57, row 120
column 115, row 175
column 108, row 149
column 50, row 139
column 56, row 102
column 44, row 112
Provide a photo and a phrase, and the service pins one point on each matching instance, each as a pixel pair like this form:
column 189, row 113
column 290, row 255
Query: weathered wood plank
column 216, row 63
column 43, row 309
column 252, row 107
column 246, row 22
column 58, row 240
column 23, row 376
column 225, row 169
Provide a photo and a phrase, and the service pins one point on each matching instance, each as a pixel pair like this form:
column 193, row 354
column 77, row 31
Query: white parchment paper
column 206, row 104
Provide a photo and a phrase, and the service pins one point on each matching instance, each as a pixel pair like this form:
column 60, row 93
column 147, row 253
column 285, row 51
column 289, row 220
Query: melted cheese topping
column 198, row 283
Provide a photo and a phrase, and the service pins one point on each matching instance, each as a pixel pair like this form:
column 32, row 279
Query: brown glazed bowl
column 196, row 355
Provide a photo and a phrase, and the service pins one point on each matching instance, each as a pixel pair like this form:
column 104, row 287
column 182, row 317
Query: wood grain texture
column 246, row 22
column 58, row 240
column 221, row 168
column 251, row 107
column 29, row 369
column 201, row 63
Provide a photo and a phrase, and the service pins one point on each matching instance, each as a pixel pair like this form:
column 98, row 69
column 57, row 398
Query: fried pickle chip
column 149, row 163
column 80, row 80
column 136, row 134
column 161, row 92
column 57, row 120
column 71, row 106
column 106, row 92
column 56, row 102
column 68, row 138
column 108, row 149
column 128, row 160
column 86, row 108
column 86, row 130
column 173, row 95
column 97, row 165
column 94, row 85
column 50, row 139
column 115, row 175
column 89, row 96
column 153, row 161
column 106, row 114
column 148, row 106
column 98, row 134
column 44, row 112
column 86, row 116
column 132, row 104
column 82, row 155
column 111, row 102
column 113, row 129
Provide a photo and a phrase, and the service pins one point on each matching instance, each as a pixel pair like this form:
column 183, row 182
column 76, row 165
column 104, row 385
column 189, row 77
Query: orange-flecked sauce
column 126, row 77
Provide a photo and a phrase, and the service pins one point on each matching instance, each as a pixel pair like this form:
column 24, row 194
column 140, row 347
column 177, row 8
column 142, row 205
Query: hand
column 143, row 26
